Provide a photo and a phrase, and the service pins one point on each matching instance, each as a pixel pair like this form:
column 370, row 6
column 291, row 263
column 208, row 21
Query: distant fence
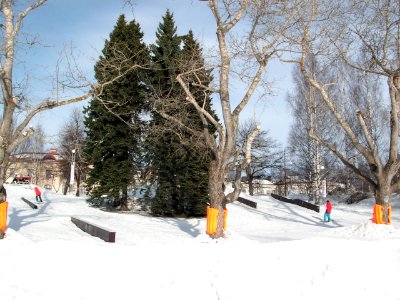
column 298, row 202
column 247, row 202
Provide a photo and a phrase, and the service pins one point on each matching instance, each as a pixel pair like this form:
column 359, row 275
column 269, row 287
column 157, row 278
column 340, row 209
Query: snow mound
column 371, row 231
column 15, row 237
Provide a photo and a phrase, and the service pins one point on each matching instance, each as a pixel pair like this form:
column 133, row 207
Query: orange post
column 3, row 216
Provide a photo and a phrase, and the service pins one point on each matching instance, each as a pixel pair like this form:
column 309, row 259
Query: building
column 43, row 169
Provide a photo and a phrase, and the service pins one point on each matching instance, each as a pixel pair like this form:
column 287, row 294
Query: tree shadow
column 19, row 218
column 300, row 218
column 184, row 225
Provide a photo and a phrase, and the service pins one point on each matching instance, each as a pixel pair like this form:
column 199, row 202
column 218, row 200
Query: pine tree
column 180, row 164
column 193, row 177
column 163, row 144
column 113, row 119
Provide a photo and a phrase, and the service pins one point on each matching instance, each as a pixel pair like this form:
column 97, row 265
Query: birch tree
column 247, row 57
column 310, row 116
column 72, row 138
column 338, row 30
column 265, row 153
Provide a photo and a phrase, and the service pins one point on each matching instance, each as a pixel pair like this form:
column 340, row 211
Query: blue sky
column 87, row 23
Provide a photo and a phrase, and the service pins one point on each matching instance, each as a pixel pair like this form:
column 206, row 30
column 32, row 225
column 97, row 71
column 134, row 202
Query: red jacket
column 328, row 207
column 37, row 191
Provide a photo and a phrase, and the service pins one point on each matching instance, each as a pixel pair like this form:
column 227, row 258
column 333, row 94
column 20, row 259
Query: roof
column 37, row 156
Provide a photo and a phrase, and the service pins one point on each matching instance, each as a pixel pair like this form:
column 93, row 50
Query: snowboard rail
column 95, row 230
column 247, row 202
column 298, row 202
column 31, row 204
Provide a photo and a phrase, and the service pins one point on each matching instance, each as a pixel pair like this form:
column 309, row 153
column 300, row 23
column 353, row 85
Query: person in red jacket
column 327, row 215
column 38, row 195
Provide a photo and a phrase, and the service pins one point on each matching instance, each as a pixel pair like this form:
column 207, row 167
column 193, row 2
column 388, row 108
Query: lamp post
column 323, row 183
column 72, row 176
column 284, row 171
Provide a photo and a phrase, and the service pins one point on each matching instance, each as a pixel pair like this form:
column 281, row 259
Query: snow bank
column 277, row 251
column 370, row 231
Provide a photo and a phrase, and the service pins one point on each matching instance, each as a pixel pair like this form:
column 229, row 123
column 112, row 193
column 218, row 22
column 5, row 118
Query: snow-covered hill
column 278, row 251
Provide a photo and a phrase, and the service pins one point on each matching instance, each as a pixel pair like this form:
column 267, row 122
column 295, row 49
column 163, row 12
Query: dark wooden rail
column 247, row 202
column 95, row 230
column 298, row 202
column 31, row 204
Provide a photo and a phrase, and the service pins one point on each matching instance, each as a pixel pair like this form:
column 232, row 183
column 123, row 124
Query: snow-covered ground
column 277, row 251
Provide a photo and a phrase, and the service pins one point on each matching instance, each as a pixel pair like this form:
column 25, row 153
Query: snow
column 277, row 251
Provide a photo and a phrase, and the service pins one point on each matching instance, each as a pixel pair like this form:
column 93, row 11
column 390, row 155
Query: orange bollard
column 3, row 216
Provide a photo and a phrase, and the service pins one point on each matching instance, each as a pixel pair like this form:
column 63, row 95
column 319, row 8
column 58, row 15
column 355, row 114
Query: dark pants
column 38, row 198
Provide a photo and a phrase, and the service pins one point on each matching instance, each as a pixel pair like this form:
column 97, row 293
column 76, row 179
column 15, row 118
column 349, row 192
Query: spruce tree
column 162, row 143
column 180, row 166
column 112, row 121
column 193, row 177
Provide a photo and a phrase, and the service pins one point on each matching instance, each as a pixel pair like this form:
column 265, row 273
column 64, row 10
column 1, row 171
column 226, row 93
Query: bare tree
column 311, row 116
column 247, row 57
column 34, row 145
column 333, row 30
column 72, row 138
column 265, row 154
column 18, row 110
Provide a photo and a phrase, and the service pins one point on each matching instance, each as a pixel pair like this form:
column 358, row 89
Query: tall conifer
column 163, row 144
column 180, row 166
column 193, row 178
column 113, row 120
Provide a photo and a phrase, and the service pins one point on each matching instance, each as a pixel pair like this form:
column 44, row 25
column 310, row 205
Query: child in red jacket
column 327, row 215
column 38, row 195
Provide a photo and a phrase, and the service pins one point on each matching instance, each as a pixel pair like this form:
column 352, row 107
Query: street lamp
column 72, row 176
column 323, row 183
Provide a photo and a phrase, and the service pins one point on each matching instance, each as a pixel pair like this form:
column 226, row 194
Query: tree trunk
column 251, row 186
column 3, row 170
column 124, row 200
column 78, row 183
column 250, row 180
column 382, row 197
column 217, row 195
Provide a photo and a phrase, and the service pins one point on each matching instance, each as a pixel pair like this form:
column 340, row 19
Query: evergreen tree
column 113, row 120
column 179, row 161
column 163, row 144
column 193, row 177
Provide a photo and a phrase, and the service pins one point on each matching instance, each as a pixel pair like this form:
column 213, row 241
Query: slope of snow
column 277, row 251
